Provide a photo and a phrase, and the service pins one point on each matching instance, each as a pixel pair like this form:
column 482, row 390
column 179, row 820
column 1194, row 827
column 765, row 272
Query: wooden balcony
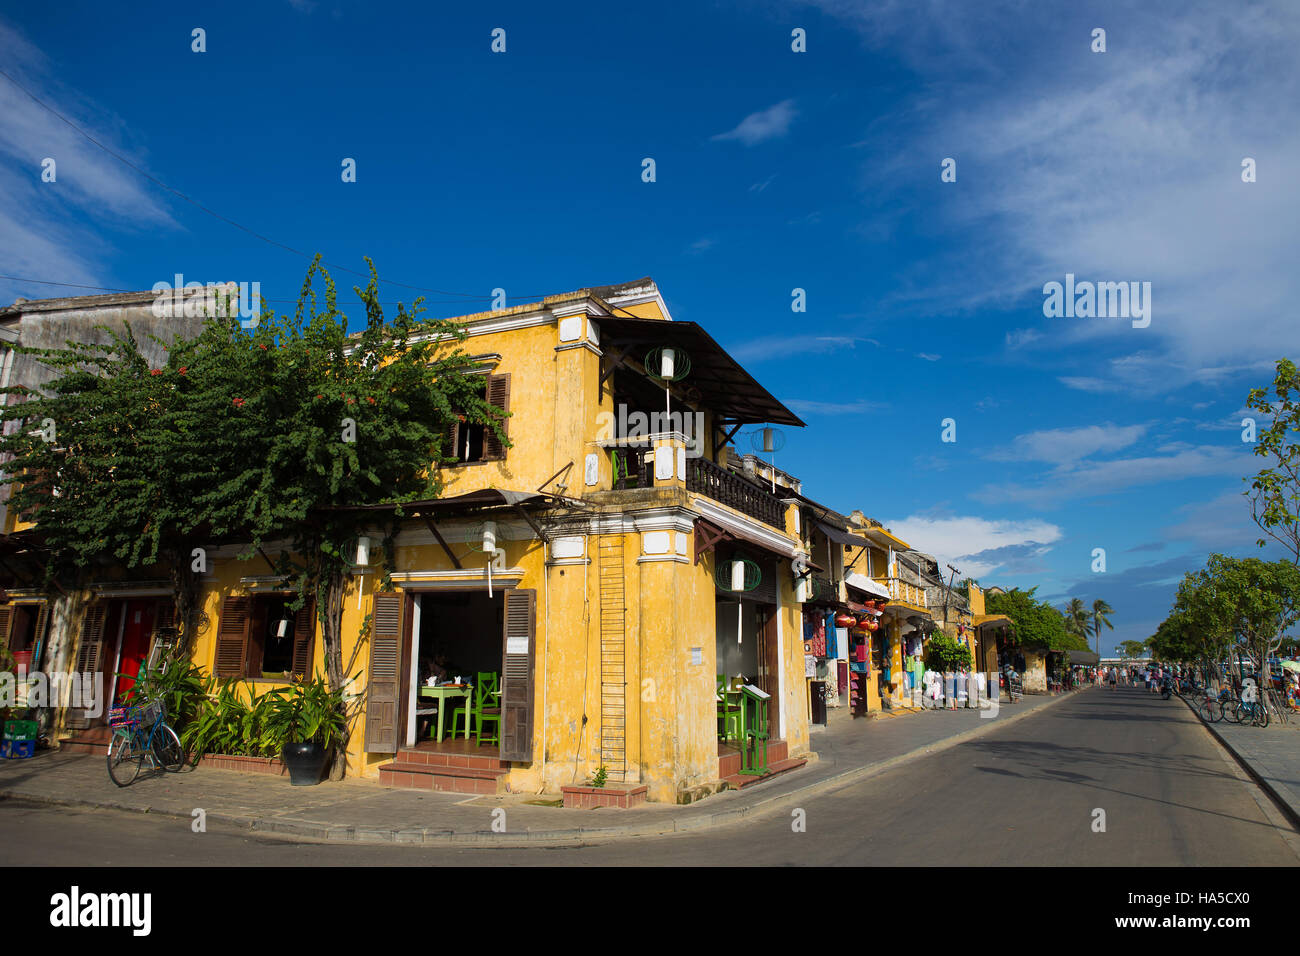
column 906, row 592
column 735, row 491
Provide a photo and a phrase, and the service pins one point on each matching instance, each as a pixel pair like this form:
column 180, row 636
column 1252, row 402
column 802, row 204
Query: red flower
column 370, row 400
column 320, row 396
column 239, row 402
column 262, row 347
column 351, row 402
column 155, row 371
column 183, row 368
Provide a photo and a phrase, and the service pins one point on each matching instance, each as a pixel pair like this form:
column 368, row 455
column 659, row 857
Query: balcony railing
column 736, row 491
column 901, row 590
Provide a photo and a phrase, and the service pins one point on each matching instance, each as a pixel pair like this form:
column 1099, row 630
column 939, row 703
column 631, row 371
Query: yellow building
column 590, row 565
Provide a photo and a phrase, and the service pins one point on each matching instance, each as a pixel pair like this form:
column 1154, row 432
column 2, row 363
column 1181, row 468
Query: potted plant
column 308, row 716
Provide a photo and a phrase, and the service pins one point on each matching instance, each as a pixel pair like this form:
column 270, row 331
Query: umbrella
column 1291, row 666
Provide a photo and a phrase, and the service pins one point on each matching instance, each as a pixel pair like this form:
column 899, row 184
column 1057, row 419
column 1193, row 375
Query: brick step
column 436, row 758
column 739, row 781
column 92, row 741
column 729, row 757
column 423, row 776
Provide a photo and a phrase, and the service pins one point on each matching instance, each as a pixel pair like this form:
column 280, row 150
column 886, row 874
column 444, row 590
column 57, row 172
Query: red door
column 135, row 643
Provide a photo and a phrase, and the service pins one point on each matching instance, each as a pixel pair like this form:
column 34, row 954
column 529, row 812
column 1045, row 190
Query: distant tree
column 1100, row 618
column 944, row 653
column 1133, row 648
column 1037, row 623
column 1076, row 618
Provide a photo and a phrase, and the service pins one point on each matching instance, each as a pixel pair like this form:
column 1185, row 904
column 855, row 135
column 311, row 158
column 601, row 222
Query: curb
column 432, row 836
column 1288, row 811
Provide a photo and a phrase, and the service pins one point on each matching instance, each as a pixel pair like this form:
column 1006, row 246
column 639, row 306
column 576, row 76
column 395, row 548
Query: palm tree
column 1099, row 611
column 1076, row 618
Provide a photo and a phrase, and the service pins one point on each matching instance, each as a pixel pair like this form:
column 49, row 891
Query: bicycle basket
column 122, row 717
column 149, row 711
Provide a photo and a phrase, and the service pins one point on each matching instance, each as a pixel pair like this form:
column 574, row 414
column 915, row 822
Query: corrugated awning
column 723, row 385
column 842, row 537
column 864, row 584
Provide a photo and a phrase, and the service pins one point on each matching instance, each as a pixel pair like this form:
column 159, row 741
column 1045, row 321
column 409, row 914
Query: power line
column 100, row 288
column 216, row 215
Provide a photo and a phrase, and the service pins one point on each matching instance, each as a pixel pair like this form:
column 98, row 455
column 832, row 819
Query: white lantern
column 283, row 630
column 489, row 536
column 769, row 442
column 737, row 575
column 667, row 360
column 363, row 553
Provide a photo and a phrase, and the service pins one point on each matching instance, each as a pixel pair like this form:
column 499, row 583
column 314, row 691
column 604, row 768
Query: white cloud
column 805, row 407
column 1062, row 445
column 759, row 127
column 972, row 542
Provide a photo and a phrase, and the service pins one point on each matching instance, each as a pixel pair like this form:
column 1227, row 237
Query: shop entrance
column 747, row 648
column 456, row 669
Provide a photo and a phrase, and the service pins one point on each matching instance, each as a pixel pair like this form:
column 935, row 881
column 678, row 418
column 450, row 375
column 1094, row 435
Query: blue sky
column 775, row 170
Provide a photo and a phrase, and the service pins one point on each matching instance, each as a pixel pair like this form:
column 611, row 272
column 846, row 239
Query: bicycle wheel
column 167, row 749
column 124, row 759
column 1261, row 715
column 1211, row 710
column 1232, row 711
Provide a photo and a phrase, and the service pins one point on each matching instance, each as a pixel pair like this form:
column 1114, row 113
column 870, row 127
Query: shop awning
column 864, row 584
column 1083, row 657
column 842, row 537
column 708, row 535
column 979, row 620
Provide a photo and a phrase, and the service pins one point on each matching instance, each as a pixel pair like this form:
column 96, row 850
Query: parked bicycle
column 141, row 733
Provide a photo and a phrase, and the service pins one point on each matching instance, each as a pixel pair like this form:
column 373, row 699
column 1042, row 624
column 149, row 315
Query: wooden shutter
column 518, row 640
column 450, row 435
column 383, row 690
column 304, row 630
column 6, row 616
column 498, row 395
column 232, row 638
column 90, row 656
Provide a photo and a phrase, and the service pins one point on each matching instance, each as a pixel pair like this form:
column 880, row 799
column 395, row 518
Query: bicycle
column 139, row 733
column 1210, row 709
column 1252, row 711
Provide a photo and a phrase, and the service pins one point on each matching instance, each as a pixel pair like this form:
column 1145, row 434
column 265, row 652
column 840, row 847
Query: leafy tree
column 1275, row 490
column 1037, row 623
column 247, row 435
column 1241, row 601
column 944, row 653
column 1133, row 648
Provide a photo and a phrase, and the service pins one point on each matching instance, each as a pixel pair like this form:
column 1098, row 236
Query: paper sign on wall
column 516, row 645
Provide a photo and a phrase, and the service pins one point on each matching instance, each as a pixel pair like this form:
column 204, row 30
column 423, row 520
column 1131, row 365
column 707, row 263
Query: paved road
column 1025, row 794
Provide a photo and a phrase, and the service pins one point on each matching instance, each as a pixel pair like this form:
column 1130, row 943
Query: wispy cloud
column 779, row 346
column 771, row 123
column 700, row 246
column 977, row 545
column 43, row 225
column 1063, row 445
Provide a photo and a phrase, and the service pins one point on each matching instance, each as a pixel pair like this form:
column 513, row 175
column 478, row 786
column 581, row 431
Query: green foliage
column 1076, row 618
column 1133, row 648
column 944, row 653
column 180, row 685
column 307, row 712
column 1275, row 490
column 1037, row 623
column 600, row 776
column 1241, row 603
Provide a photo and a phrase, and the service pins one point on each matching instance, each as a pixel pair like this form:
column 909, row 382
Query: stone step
column 739, row 781
column 423, row 776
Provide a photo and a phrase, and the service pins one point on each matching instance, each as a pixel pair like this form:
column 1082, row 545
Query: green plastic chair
column 487, row 707
column 728, row 710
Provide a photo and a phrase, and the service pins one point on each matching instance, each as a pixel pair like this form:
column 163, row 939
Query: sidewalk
column 1271, row 755
column 362, row 811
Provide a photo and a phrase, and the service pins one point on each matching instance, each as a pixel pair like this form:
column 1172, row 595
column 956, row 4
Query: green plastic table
column 444, row 694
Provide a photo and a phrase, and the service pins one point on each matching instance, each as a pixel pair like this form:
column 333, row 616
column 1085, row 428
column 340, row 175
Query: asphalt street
column 1106, row 778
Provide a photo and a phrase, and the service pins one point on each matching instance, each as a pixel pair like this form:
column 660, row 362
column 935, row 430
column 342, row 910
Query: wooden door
column 518, row 656
column 383, row 690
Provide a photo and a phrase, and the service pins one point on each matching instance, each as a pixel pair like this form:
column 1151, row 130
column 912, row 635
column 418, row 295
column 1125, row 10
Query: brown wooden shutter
column 498, row 395
column 90, row 656
column 450, row 435
column 304, row 630
column 6, row 616
column 383, row 690
column 232, row 638
column 518, row 640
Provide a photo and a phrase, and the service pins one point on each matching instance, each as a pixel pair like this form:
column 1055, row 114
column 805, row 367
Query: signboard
column 809, row 665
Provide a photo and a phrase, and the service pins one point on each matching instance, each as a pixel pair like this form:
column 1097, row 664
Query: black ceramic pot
column 305, row 763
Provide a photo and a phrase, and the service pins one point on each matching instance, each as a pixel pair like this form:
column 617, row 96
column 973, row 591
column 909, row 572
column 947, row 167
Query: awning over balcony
column 867, row 586
column 842, row 537
column 725, row 388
